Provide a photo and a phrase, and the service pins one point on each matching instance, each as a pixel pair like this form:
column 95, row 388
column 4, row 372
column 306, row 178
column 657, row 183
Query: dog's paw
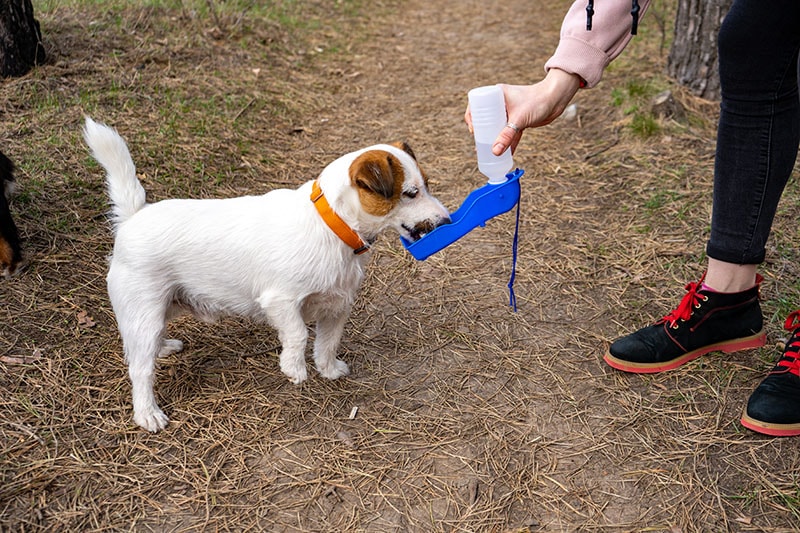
column 153, row 420
column 296, row 373
column 170, row 346
column 336, row 370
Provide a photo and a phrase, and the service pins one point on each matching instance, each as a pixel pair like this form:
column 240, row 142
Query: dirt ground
column 460, row 414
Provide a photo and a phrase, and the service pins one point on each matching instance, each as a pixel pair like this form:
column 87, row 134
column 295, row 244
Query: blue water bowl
column 481, row 205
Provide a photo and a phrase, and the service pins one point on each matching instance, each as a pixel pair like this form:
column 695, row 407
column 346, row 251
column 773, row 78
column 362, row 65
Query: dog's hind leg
column 285, row 315
column 170, row 346
column 329, row 334
column 142, row 345
column 141, row 321
column 142, row 341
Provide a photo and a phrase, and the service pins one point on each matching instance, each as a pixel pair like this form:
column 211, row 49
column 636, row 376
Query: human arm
column 579, row 61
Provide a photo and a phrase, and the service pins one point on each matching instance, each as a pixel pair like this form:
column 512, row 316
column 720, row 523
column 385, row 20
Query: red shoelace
column 790, row 360
column 689, row 302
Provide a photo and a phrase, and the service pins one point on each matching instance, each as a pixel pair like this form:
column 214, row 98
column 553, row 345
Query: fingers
column 509, row 136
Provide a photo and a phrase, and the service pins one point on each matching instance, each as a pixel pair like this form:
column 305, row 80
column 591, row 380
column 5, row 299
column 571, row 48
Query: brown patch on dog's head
column 378, row 176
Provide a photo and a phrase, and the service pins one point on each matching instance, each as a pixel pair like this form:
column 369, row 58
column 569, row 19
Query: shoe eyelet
column 697, row 306
column 705, row 298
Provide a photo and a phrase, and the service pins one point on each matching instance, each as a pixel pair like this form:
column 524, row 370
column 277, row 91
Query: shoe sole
column 745, row 343
column 767, row 428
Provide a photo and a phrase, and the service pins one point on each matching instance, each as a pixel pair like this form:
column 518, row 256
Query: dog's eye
column 411, row 193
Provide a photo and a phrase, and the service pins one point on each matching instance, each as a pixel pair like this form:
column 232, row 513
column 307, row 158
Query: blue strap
column 512, row 298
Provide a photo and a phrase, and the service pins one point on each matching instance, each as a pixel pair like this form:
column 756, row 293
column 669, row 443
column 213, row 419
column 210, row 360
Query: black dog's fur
column 10, row 245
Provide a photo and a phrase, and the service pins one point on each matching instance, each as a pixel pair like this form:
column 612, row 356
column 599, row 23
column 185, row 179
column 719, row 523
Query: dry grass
column 469, row 417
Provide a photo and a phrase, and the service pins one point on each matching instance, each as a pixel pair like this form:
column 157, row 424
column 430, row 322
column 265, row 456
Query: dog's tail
column 109, row 149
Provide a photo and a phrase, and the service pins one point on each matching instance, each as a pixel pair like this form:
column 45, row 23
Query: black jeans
column 759, row 125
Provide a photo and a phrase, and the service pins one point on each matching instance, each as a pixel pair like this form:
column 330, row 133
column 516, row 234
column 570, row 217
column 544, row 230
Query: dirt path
column 545, row 431
column 459, row 415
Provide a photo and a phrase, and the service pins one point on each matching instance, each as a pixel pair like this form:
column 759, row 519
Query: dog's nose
column 424, row 227
column 430, row 225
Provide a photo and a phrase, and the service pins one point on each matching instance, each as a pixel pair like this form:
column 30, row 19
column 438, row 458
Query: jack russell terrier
column 288, row 257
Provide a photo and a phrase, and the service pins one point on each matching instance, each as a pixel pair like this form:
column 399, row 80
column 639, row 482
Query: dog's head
column 393, row 192
column 10, row 247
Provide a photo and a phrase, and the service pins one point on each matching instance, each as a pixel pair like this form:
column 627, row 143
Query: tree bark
column 692, row 58
column 20, row 38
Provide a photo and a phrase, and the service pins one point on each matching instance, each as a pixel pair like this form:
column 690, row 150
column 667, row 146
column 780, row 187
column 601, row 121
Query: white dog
column 288, row 257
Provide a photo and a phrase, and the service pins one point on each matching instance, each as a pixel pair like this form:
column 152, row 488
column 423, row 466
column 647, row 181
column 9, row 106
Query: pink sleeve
column 588, row 53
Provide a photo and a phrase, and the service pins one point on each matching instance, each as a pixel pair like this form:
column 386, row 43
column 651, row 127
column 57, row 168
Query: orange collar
column 334, row 221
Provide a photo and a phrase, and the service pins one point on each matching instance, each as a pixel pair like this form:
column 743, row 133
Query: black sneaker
column 774, row 407
column 705, row 321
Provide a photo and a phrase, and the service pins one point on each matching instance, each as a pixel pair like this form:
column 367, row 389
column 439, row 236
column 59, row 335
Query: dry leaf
column 85, row 320
column 346, row 439
column 22, row 359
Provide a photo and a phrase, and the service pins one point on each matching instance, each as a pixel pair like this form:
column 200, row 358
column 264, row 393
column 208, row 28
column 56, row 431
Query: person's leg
column 756, row 152
column 759, row 128
column 756, row 149
column 729, row 277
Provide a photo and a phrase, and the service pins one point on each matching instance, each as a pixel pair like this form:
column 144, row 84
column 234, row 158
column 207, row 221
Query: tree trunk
column 20, row 38
column 692, row 58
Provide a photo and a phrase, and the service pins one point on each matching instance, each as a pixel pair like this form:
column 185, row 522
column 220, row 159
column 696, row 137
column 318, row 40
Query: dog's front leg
column 329, row 334
column 286, row 316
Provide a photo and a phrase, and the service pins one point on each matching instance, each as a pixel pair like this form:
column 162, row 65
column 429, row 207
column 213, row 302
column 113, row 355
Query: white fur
column 270, row 257
column 126, row 193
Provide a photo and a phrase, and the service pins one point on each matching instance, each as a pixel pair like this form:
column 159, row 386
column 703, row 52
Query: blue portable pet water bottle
column 500, row 194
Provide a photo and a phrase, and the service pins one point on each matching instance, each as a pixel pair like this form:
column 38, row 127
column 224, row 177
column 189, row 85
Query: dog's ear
column 405, row 147
column 378, row 171
column 6, row 170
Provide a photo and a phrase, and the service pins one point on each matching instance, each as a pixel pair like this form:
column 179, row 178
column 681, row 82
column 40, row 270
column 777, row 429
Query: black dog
column 10, row 247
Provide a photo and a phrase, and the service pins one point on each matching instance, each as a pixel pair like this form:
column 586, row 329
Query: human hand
column 532, row 106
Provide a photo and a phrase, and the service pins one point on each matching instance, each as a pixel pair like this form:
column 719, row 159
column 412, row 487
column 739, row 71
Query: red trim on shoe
column 773, row 430
column 755, row 341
